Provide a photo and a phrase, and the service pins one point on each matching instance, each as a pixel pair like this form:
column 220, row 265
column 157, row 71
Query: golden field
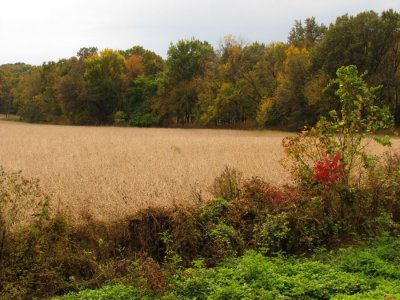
column 111, row 172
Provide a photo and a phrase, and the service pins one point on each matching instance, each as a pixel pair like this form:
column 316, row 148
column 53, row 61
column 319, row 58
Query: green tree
column 307, row 35
column 49, row 73
column 232, row 98
column 26, row 95
column 369, row 41
column 141, row 96
column 105, row 76
column 144, row 72
column 388, row 72
column 187, row 59
column 76, row 103
column 186, row 62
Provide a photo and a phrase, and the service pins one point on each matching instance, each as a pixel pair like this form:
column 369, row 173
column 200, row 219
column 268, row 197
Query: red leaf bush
column 328, row 170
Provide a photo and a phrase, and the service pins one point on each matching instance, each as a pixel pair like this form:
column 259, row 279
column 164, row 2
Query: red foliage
column 272, row 194
column 328, row 170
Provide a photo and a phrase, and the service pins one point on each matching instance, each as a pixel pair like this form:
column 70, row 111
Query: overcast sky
column 44, row 30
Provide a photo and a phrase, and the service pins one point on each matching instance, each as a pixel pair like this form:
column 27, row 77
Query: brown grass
column 111, row 172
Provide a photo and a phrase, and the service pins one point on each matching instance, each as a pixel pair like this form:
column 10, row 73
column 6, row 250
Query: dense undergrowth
column 246, row 242
column 370, row 271
column 53, row 256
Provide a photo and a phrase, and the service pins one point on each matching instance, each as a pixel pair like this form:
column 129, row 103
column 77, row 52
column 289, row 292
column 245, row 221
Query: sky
column 43, row 30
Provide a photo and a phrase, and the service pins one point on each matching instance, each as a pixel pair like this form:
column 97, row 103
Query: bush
column 382, row 185
column 269, row 218
column 270, row 234
column 255, row 276
column 141, row 115
column 21, row 202
column 333, row 151
column 228, row 184
column 54, row 256
column 116, row 292
column 119, row 118
column 222, row 241
column 156, row 243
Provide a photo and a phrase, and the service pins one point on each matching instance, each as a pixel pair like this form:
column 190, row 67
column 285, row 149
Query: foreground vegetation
column 371, row 271
column 145, row 253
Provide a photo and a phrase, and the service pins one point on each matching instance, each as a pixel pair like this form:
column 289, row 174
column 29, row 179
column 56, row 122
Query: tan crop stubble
column 110, row 172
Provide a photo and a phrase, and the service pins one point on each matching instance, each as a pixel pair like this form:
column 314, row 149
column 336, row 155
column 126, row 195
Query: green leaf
column 385, row 141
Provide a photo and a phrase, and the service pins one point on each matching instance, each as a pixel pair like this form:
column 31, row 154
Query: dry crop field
column 111, row 172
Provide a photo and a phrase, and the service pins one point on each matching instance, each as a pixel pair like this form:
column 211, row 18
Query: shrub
column 141, row 119
column 222, row 241
column 116, row 292
column 383, row 185
column 21, row 202
column 157, row 242
column 347, row 273
column 228, row 184
column 119, row 118
column 342, row 138
column 328, row 170
column 270, row 234
column 342, row 187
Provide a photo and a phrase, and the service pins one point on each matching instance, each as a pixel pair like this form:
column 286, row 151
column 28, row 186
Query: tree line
column 236, row 85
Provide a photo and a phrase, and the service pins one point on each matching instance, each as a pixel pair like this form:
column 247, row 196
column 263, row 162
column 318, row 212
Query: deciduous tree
column 105, row 76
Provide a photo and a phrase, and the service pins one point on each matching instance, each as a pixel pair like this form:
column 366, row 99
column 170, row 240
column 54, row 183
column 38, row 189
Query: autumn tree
column 9, row 77
column 152, row 62
column 144, row 69
column 239, row 84
column 271, row 66
column 289, row 100
column 235, row 85
column 224, row 103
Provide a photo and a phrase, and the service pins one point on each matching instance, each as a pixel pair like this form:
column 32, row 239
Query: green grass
column 364, row 272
